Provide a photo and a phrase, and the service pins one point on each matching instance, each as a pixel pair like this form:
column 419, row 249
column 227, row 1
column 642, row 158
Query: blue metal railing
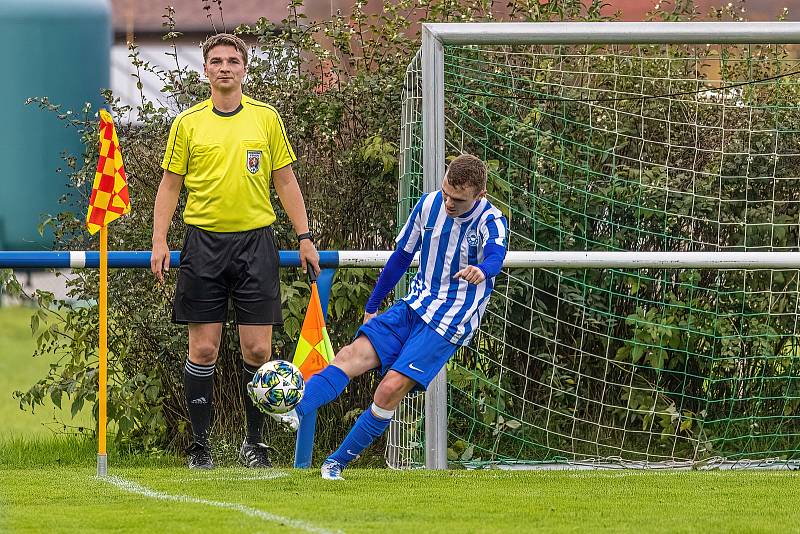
column 329, row 261
column 121, row 259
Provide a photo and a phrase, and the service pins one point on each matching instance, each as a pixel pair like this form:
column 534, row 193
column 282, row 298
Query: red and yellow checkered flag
column 110, row 199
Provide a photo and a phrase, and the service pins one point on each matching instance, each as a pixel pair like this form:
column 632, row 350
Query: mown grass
column 155, row 496
column 49, row 484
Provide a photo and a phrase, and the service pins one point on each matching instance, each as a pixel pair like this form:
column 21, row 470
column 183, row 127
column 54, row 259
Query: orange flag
column 110, row 199
column 314, row 351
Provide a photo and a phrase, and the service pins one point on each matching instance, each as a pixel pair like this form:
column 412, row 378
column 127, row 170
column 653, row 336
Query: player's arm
column 493, row 256
column 408, row 242
column 166, row 201
column 495, row 233
column 292, row 201
column 394, row 270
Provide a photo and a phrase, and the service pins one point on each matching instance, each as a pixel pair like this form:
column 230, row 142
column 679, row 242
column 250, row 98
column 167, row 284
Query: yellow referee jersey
column 227, row 160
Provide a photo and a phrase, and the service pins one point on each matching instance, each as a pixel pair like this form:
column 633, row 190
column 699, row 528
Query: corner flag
column 314, row 351
column 110, row 199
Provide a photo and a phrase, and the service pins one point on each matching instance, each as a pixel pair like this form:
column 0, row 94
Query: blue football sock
column 322, row 388
column 368, row 427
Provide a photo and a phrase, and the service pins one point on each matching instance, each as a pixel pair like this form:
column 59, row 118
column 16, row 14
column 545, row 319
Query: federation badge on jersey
column 472, row 238
column 253, row 161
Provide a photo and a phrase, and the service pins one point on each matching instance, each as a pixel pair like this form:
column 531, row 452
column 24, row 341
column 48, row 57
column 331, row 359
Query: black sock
column 255, row 418
column 198, row 382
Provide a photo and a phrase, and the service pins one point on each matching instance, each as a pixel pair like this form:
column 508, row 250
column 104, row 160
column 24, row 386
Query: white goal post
column 435, row 36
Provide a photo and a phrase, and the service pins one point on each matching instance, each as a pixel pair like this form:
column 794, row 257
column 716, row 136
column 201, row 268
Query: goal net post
column 641, row 138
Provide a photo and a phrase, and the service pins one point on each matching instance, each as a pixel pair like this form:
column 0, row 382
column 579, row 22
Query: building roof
column 145, row 17
column 137, row 17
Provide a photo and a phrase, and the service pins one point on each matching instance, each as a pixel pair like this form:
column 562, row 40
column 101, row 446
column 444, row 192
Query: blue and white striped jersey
column 453, row 307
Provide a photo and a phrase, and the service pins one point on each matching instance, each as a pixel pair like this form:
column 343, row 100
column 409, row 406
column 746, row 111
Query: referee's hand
column 309, row 256
column 159, row 260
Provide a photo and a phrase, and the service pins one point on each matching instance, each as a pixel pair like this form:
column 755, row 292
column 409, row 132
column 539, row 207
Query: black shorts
column 216, row 266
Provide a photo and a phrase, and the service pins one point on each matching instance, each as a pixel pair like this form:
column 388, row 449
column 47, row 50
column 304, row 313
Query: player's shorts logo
column 415, row 368
column 472, row 238
column 253, row 161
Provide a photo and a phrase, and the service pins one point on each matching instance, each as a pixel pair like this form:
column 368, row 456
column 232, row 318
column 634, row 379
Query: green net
column 634, row 148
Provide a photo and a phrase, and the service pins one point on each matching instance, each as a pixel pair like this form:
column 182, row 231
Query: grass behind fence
column 18, row 371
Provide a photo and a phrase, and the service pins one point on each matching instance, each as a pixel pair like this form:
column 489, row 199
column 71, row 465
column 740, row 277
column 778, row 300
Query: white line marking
column 133, row 487
column 233, row 476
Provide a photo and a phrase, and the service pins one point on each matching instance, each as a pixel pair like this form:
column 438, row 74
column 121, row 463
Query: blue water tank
column 58, row 49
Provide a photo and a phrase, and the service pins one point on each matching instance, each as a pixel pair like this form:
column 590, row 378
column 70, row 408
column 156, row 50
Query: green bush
column 346, row 136
column 345, row 131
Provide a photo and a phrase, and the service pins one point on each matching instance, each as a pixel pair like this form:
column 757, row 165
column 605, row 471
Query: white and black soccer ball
column 277, row 387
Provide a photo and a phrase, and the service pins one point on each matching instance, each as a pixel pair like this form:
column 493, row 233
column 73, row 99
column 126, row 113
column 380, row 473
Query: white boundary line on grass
column 133, row 487
column 263, row 476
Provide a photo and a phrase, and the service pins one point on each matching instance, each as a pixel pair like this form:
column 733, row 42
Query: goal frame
column 436, row 35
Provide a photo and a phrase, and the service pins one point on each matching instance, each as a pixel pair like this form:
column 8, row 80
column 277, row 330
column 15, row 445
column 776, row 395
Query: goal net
column 662, row 147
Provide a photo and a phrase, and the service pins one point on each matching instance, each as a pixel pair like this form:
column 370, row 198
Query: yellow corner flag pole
column 102, row 458
column 109, row 200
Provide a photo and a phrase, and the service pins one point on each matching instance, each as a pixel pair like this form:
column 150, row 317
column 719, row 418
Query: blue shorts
column 407, row 344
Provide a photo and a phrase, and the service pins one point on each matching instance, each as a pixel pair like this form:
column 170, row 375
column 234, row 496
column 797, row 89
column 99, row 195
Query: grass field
column 62, row 494
column 48, row 484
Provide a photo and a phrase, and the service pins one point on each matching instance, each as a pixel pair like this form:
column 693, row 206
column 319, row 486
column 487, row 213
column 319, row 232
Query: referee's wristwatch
column 306, row 235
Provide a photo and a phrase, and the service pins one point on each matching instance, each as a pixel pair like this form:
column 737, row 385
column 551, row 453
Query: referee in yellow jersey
column 226, row 151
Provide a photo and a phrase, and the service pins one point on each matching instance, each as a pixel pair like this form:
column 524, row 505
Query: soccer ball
column 277, row 387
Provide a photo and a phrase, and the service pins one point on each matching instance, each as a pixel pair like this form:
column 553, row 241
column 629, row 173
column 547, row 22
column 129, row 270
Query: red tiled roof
column 756, row 9
column 146, row 15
